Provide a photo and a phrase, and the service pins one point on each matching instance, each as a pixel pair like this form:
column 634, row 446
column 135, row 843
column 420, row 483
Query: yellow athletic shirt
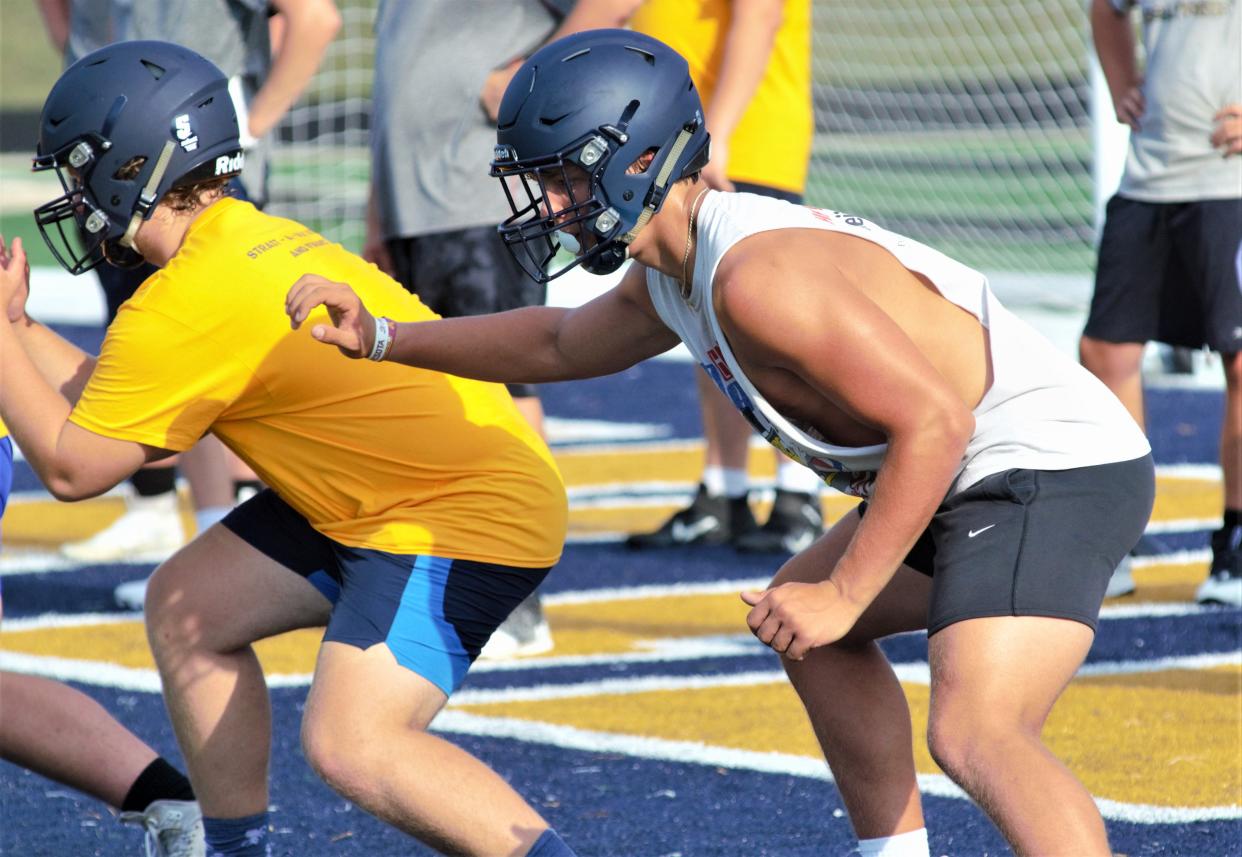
column 374, row 455
column 4, row 430
column 772, row 143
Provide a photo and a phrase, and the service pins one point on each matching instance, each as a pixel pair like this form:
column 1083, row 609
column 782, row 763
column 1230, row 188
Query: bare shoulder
column 775, row 275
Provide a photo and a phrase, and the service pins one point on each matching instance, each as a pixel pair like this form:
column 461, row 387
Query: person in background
column 432, row 218
column 1166, row 270
column 263, row 83
column 751, row 62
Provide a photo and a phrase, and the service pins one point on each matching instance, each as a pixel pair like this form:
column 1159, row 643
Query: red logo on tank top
column 718, row 361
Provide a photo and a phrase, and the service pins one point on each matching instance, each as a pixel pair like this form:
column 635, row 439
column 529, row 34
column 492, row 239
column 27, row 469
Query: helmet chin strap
column 659, row 186
column 146, row 199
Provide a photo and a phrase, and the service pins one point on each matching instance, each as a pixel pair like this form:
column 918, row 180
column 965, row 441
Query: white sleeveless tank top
column 1042, row 412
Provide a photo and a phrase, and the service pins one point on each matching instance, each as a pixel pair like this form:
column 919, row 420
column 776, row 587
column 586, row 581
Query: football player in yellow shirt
column 409, row 512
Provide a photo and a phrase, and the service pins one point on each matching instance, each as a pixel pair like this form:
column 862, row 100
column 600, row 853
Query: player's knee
column 969, row 740
column 336, row 756
column 1233, row 371
column 173, row 621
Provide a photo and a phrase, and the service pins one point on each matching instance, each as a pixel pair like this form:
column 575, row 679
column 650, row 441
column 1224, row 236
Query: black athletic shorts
column 465, row 272
column 1033, row 542
column 764, row 190
column 1168, row 273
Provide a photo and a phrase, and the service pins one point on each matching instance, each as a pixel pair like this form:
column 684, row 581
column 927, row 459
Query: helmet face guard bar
column 73, row 226
column 535, row 231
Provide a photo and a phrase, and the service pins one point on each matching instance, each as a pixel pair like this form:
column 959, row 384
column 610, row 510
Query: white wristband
column 383, row 339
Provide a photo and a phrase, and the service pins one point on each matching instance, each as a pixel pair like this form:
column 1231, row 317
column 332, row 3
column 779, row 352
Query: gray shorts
column 1033, row 542
column 465, row 272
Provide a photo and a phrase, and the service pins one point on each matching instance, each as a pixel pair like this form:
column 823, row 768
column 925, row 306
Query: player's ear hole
column 130, row 168
column 643, row 163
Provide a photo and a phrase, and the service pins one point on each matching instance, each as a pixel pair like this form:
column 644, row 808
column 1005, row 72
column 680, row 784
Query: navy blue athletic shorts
column 466, row 272
column 1168, row 273
column 1033, row 542
column 432, row 612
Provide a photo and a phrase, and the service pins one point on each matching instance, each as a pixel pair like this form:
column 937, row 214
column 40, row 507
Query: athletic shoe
column 1224, row 582
column 174, row 828
column 796, row 521
column 524, row 632
column 1122, row 581
column 131, row 595
column 149, row 529
column 706, row 521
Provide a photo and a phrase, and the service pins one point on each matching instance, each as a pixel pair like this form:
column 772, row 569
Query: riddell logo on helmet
column 234, row 164
column 183, row 132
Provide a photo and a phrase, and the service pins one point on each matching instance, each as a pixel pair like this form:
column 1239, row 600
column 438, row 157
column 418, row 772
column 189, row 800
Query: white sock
column 792, row 476
column 204, row 518
column 912, row 844
column 724, row 481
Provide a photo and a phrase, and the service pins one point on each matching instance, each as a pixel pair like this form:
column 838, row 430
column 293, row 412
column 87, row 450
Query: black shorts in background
column 465, row 272
column 1168, row 273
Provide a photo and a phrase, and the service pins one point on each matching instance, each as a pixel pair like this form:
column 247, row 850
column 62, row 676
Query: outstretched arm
column 531, row 345
column 43, row 375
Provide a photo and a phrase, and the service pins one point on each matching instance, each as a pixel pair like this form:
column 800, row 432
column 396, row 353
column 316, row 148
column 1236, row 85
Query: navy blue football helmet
column 578, row 115
column 150, row 103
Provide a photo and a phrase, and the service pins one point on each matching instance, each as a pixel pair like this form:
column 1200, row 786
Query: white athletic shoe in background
column 150, row 529
column 174, row 828
column 132, row 595
column 524, row 633
column 1220, row 589
column 1122, row 581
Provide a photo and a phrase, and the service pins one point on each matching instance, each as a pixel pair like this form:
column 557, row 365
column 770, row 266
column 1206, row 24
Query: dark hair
column 179, row 197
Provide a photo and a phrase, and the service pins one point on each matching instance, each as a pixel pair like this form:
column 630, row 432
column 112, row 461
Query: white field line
column 693, row 752
column 913, row 672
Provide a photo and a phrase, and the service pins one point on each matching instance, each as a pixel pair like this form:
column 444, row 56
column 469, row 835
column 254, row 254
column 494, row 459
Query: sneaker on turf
column 524, row 632
column 707, row 520
column 1224, row 582
column 131, row 595
column 796, row 520
column 174, row 828
column 1122, row 581
column 150, row 528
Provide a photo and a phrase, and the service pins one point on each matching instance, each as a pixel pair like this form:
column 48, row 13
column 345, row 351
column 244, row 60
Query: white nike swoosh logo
column 974, row 533
column 684, row 533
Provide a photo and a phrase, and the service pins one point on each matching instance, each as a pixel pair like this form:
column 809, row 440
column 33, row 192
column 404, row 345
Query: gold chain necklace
column 685, row 258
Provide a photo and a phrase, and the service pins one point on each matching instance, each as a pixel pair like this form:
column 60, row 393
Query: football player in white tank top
column 842, row 349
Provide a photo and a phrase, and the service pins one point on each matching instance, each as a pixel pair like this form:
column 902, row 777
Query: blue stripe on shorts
column 433, row 613
column 421, row 637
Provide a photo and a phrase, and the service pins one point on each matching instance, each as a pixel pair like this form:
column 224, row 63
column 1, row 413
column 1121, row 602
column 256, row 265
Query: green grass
column 14, row 224
column 902, row 41
column 29, row 65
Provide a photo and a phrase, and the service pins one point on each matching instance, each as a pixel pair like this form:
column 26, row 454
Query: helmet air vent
column 156, row 71
column 647, row 55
